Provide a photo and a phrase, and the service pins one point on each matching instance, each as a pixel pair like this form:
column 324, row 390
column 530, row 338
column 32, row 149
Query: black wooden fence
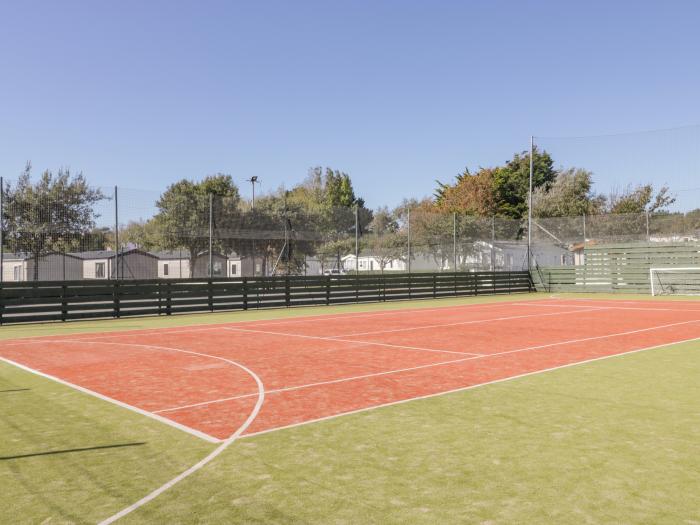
column 61, row 301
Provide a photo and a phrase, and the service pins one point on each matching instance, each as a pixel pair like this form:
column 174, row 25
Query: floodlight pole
column 529, row 204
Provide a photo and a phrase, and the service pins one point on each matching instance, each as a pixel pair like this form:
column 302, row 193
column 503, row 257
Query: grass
column 609, row 441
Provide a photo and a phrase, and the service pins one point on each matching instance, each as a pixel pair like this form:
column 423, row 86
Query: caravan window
column 100, row 270
column 17, row 272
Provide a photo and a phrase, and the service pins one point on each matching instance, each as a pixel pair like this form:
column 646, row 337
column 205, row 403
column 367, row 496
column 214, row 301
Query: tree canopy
column 49, row 215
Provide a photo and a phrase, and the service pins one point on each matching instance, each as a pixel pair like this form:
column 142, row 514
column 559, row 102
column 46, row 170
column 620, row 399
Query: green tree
column 384, row 239
column 145, row 235
column 50, row 215
column 511, row 182
column 640, row 199
column 183, row 214
column 571, row 195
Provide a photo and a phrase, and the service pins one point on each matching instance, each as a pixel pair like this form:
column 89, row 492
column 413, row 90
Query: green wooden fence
column 66, row 300
column 621, row 268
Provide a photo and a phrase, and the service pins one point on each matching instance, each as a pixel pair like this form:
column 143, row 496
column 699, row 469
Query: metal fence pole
column 529, row 204
column 454, row 241
column 116, row 233
column 493, row 244
column 584, row 228
column 211, row 232
column 408, row 220
column 647, row 218
column 357, row 240
column 2, row 227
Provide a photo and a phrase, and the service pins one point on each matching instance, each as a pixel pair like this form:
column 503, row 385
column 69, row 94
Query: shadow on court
column 14, row 390
column 72, row 450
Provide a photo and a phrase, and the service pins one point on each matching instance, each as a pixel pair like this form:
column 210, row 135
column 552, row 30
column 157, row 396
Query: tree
column 145, row 235
column 501, row 191
column 511, row 182
column 184, row 214
column 640, row 199
column 571, row 195
column 384, row 240
column 473, row 194
column 50, row 215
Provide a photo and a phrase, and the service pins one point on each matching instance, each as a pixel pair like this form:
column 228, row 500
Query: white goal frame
column 670, row 270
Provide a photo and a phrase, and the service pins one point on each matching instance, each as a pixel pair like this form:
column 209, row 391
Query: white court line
column 333, row 338
column 601, row 307
column 460, row 323
column 210, row 457
column 120, row 403
column 431, row 365
column 146, row 413
column 463, row 389
column 197, row 327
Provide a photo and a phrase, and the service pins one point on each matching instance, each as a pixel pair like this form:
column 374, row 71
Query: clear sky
column 397, row 93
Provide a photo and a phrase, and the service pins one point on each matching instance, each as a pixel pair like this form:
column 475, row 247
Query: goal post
column 674, row 281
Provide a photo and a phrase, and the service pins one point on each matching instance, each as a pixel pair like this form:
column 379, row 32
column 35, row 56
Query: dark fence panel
column 62, row 301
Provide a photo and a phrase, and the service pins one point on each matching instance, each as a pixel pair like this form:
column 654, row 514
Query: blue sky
column 396, row 93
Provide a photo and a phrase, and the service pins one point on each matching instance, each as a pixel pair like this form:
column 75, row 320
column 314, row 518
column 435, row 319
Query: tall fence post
column 408, row 221
column 493, row 243
column 357, row 253
column 2, row 227
column 211, row 233
column 116, row 233
column 529, row 204
column 584, row 228
column 454, row 241
column 646, row 213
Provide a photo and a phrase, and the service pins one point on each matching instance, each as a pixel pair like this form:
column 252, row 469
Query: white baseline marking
column 211, row 456
column 84, row 390
column 461, row 323
column 431, row 365
column 333, row 338
column 279, row 320
column 471, row 387
column 600, row 307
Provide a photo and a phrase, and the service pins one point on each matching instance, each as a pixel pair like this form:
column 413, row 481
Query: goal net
column 675, row 281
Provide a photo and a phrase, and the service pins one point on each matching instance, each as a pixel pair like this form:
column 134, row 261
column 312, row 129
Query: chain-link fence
column 130, row 234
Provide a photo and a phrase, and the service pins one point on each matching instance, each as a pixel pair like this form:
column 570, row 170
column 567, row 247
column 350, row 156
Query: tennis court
column 203, row 378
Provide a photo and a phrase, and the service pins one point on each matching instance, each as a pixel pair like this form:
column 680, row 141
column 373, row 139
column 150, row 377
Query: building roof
column 173, row 255
column 108, row 254
column 8, row 256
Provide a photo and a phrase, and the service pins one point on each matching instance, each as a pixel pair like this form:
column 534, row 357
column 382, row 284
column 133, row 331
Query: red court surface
column 322, row 366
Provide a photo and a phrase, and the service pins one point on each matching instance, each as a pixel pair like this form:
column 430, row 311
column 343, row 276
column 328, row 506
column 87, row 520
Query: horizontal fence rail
column 69, row 300
column 620, row 267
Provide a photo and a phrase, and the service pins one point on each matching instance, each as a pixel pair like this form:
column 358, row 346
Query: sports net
column 675, row 281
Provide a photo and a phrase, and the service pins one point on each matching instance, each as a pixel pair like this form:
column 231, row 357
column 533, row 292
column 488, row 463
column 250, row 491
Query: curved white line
column 213, row 454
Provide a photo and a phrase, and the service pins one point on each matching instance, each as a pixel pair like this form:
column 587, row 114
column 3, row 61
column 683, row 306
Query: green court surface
column 610, row 441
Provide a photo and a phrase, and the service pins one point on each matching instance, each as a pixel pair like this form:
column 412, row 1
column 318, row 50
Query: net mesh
column 675, row 281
